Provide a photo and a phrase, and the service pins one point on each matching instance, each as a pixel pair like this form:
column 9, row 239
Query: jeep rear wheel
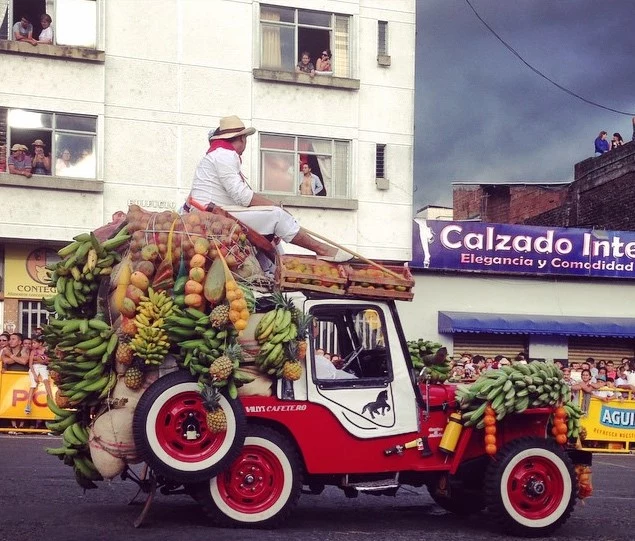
column 260, row 488
column 530, row 487
column 171, row 433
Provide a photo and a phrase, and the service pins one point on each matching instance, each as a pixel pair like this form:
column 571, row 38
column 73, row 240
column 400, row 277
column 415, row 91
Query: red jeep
column 367, row 426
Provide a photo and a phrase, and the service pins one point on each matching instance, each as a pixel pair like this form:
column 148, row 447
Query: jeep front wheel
column 530, row 487
column 260, row 488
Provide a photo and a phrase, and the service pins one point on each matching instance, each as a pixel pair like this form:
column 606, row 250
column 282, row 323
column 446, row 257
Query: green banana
column 112, row 380
column 68, row 249
column 61, row 425
column 59, row 412
column 89, row 344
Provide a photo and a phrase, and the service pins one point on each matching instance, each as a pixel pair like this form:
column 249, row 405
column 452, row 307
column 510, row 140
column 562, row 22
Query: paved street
column 39, row 499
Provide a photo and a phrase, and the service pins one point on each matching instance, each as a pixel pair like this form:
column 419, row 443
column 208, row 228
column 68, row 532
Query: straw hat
column 38, row 143
column 17, row 146
column 230, row 127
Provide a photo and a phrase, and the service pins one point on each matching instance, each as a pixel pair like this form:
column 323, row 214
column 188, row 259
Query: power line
column 538, row 72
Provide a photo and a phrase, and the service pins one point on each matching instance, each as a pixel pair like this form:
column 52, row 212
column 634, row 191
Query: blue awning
column 473, row 322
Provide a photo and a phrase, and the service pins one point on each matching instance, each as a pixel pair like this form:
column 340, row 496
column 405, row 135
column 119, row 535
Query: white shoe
column 340, row 257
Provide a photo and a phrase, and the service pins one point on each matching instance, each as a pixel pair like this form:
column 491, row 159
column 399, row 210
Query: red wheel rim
column 535, row 487
column 171, row 426
column 254, row 483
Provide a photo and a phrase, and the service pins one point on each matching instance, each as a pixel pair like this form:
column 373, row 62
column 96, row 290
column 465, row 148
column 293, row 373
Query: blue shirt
column 601, row 145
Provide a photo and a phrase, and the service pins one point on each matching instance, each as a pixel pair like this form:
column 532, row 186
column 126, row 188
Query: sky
column 482, row 115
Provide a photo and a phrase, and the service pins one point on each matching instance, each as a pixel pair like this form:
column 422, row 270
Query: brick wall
column 466, row 202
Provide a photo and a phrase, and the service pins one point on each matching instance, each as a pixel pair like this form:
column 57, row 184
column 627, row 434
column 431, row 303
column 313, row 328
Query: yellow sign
column 26, row 276
column 613, row 420
column 14, row 391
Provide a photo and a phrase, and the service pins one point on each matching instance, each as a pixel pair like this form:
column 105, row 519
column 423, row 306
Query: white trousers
column 267, row 221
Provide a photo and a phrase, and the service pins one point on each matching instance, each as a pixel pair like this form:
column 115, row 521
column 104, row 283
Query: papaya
column 214, row 288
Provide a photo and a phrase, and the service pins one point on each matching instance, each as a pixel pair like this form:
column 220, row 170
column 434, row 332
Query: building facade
column 125, row 96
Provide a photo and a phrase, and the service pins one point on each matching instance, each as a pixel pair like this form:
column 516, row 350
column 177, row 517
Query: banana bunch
column 431, row 359
column 82, row 359
column 200, row 343
column 418, row 349
column 74, row 451
column 574, row 412
column 77, row 276
column 150, row 342
column 512, row 389
column 273, row 331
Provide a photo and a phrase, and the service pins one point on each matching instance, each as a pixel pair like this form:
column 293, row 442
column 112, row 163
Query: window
column 74, row 21
column 282, row 160
column 382, row 38
column 32, row 315
column 69, row 140
column 380, row 155
column 285, row 33
column 349, row 344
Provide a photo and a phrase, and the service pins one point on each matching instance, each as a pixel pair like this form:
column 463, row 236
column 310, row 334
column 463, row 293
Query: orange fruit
column 490, row 439
column 198, row 260
column 562, row 428
column 560, row 412
column 489, row 411
column 491, row 449
column 489, row 420
column 561, row 439
column 490, row 430
column 240, row 325
column 554, row 430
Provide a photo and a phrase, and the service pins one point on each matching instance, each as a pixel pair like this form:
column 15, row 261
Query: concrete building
column 130, row 89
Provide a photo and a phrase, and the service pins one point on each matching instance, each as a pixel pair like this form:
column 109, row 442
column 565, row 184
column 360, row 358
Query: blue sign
column 617, row 418
column 513, row 249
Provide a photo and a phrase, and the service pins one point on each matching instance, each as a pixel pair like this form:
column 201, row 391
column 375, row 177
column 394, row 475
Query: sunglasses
column 325, row 54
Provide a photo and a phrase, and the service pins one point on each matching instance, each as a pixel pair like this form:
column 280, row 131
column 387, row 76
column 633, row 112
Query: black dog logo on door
column 379, row 406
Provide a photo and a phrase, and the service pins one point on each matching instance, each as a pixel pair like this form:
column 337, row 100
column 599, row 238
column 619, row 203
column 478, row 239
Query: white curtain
column 326, row 163
column 271, row 47
column 341, row 64
column 5, row 27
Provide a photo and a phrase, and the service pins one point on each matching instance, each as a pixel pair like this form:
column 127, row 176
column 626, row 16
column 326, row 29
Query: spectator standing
column 63, row 163
column 38, row 361
column 306, row 66
column 310, row 184
column 324, row 62
column 23, row 31
column 601, row 143
column 14, row 357
column 41, row 164
column 19, row 162
column 610, row 370
column 616, row 141
column 46, row 35
column 621, row 382
column 585, row 389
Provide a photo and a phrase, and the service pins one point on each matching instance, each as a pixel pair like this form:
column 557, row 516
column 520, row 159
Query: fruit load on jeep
column 171, row 346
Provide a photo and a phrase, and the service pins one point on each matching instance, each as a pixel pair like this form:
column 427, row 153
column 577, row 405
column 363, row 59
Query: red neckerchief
column 222, row 143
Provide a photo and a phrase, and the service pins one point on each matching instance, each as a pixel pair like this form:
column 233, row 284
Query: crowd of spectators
column 25, row 354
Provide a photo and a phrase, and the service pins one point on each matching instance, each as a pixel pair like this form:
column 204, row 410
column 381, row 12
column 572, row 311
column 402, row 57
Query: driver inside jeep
column 325, row 369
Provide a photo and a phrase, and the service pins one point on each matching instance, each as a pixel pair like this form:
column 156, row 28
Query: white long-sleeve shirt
column 218, row 180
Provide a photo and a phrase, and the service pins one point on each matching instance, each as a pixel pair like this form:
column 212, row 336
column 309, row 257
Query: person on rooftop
column 601, row 143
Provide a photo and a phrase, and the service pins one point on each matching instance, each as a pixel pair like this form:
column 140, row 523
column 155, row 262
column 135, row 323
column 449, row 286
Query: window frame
column 296, row 25
column 39, row 311
column 52, row 8
column 296, row 153
column 53, row 132
column 343, row 317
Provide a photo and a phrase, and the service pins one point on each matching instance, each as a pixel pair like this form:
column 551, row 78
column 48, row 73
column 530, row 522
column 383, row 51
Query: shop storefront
column 24, row 285
column 555, row 293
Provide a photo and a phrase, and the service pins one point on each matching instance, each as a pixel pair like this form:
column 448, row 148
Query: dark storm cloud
column 482, row 115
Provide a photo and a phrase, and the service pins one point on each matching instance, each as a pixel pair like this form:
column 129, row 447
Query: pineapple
column 215, row 417
column 128, row 326
column 223, row 367
column 304, row 323
column 133, row 378
column 55, row 376
column 62, row 400
column 285, row 303
column 219, row 316
column 124, row 353
column 292, row 370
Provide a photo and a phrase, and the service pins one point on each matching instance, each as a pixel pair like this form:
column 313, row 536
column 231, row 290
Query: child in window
column 305, row 65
